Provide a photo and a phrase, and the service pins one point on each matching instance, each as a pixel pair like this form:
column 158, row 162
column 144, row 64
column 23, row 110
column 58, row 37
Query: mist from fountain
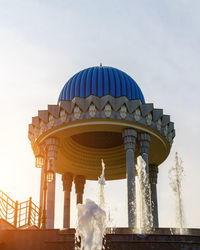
column 144, row 217
column 91, row 219
column 175, row 178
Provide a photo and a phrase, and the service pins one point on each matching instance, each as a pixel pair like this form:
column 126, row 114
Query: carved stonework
column 165, row 130
column 92, row 110
column 52, row 144
column 31, row 138
column 159, row 124
column 144, row 143
column 36, row 132
column 106, row 106
column 170, row 137
column 123, row 111
column 107, row 110
column 51, row 120
column 149, row 119
column 63, row 115
column 129, row 136
column 77, row 112
column 79, row 181
column 137, row 115
column 42, row 127
column 153, row 174
column 67, row 179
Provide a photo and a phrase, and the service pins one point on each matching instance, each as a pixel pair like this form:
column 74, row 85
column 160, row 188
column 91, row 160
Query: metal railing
column 19, row 214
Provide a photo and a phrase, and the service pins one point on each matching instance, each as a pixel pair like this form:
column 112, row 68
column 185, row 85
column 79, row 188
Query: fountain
column 144, row 216
column 91, row 217
column 175, row 178
column 91, row 220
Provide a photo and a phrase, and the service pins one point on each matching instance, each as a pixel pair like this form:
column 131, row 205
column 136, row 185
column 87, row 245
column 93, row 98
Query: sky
column 43, row 43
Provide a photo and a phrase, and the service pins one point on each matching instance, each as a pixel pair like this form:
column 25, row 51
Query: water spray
column 91, row 221
column 175, row 179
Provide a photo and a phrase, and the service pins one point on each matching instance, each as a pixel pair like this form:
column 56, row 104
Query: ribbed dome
column 101, row 81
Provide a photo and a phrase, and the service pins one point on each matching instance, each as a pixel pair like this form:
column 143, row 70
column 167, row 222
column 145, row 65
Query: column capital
column 52, row 141
column 153, row 173
column 67, row 179
column 129, row 136
column 144, row 143
column 79, row 181
column 52, row 145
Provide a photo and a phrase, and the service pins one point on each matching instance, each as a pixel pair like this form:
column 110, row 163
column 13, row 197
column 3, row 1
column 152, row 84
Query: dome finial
column 100, row 64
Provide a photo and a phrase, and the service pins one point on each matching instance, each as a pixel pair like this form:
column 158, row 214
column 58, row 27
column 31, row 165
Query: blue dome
column 101, row 81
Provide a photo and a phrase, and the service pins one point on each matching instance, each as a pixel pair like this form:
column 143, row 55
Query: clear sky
column 43, row 43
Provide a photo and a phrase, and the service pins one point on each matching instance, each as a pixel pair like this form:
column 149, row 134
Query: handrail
column 2, row 194
column 21, row 214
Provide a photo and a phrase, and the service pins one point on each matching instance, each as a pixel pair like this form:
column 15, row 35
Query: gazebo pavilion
column 101, row 113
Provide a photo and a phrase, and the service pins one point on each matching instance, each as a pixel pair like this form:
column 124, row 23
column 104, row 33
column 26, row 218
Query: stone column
column 129, row 136
column 143, row 145
column 41, row 188
column 52, row 149
column 79, row 181
column 153, row 173
column 67, row 179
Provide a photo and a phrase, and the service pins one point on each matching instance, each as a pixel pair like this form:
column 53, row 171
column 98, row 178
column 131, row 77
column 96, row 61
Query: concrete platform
column 6, row 225
column 118, row 238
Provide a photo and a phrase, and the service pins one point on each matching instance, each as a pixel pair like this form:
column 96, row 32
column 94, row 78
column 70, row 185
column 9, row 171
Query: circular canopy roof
column 101, row 81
